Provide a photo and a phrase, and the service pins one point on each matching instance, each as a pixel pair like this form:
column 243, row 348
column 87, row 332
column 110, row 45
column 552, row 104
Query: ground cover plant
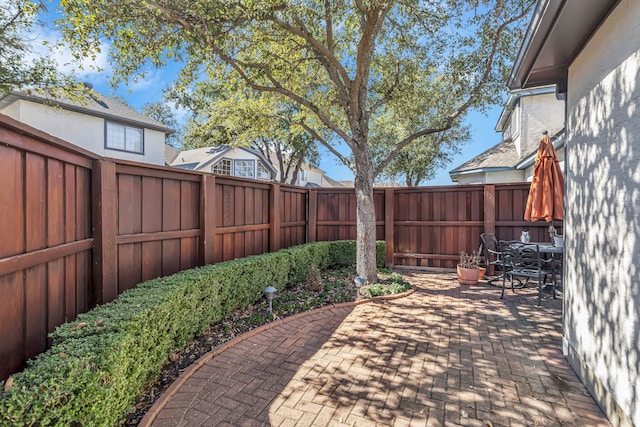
column 320, row 289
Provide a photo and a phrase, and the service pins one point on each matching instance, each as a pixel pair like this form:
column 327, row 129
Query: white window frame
column 303, row 175
column 262, row 171
column 227, row 162
column 250, row 165
column 109, row 126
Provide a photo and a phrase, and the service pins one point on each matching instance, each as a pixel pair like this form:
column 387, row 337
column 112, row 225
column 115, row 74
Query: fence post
column 274, row 220
column 489, row 215
column 389, row 228
column 489, row 208
column 105, row 228
column 312, row 215
column 207, row 219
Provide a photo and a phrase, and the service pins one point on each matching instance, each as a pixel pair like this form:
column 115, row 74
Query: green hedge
column 99, row 364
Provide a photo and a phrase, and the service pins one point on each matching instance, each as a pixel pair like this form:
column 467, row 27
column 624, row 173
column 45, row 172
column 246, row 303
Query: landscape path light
column 270, row 293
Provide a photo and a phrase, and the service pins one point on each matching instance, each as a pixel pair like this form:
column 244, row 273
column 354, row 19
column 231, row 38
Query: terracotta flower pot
column 468, row 276
column 483, row 270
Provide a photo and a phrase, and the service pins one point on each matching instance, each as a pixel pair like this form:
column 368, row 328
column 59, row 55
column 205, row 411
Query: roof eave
column 86, row 111
column 558, row 30
column 481, row 170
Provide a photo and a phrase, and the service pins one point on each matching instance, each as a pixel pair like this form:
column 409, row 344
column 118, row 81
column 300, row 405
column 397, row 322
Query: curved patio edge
column 152, row 413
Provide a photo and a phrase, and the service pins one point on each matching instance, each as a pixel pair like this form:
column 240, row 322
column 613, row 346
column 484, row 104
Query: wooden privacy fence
column 77, row 229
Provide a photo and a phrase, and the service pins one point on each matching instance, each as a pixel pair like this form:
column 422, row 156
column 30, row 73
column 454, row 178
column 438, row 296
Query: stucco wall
column 602, row 269
column 83, row 130
column 539, row 113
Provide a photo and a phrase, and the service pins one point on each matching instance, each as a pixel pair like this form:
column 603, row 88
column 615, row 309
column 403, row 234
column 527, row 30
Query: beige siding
column 602, row 285
column 83, row 130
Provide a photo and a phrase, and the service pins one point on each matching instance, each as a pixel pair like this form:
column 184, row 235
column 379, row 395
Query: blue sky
column 149, row 89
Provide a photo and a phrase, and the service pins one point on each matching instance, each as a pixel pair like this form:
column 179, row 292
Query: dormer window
column 263, row 172
column 124, row 138
column 223, row 167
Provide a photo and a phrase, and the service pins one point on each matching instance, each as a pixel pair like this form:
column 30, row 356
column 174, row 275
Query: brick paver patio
column 444, row 355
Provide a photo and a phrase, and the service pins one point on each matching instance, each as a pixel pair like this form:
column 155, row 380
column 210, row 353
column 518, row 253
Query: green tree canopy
column 21, row 67
column 164, row 114
column 342, row 63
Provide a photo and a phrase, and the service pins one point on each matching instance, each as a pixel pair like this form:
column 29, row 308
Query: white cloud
column 150, row 80
column 49, row 44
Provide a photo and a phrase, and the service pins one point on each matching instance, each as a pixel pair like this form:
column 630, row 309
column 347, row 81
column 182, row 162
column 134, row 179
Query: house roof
column 93, row 104
column 558, row 30
column 197, row 158
column 330, row 182
column 502, row 156
column 170, row 153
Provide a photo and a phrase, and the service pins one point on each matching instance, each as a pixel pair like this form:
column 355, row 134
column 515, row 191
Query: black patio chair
column 492, row 254
column 524, row 260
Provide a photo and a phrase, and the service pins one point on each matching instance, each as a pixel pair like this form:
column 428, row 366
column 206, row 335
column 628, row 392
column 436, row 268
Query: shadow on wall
column 602, row 307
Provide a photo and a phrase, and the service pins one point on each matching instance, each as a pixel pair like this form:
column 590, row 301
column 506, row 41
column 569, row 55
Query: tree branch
column 336, row 71
column 385, row 98
column 448, row 122
column 359, row 87
column 318, row 138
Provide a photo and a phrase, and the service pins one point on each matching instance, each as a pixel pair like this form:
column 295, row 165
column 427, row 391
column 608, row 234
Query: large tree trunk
column 365, row 219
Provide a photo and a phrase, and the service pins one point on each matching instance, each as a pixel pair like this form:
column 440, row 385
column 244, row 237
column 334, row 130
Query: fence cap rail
column 31, row 132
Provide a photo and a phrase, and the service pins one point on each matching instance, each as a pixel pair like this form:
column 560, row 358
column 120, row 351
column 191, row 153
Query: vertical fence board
column 55, row 202
column 70, row 202
column 83, row 203
column 35, row 310
column 70, row 285
column 12, row 323
column 55, row 294
column 35, row 202
column 274, row 234
column 11, row 203
column 83, row 277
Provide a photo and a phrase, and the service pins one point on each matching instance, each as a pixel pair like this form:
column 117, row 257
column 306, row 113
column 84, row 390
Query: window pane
column 115, row 136
column 125, row 138
column 244, row 168
column 133, row 140
column 263, row 172
column 223, row 167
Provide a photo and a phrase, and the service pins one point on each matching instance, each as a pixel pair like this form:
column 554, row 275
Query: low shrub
column 99, row 363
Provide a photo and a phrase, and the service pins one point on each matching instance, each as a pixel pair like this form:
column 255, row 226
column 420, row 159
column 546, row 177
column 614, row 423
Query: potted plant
column 468, row 268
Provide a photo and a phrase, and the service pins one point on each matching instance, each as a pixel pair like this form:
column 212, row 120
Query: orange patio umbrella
column 546, row 194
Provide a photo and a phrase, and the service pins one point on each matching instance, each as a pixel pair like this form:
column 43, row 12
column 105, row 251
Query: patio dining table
column 557, row 252
column 548, row 248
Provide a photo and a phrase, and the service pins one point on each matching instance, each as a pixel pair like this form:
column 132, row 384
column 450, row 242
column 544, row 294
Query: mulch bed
column 339, row 287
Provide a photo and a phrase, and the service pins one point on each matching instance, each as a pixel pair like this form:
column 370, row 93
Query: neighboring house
column 99, row 124
column 308, row 176
column 226, row 160
column 526, row 115
column 243, row 162
column 170, row 154
column 591, row 50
